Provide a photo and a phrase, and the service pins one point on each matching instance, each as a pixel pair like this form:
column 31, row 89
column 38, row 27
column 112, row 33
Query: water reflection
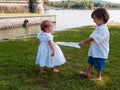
column 19, row 32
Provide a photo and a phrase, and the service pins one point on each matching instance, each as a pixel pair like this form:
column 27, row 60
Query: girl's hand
column 52, row 54
column 37, row 40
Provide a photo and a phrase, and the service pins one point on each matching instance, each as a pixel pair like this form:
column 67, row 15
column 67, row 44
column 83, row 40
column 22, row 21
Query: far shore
column 114, row 24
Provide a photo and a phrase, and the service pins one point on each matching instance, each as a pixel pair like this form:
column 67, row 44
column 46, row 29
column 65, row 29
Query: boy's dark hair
column 45, row 24
column 101, row 13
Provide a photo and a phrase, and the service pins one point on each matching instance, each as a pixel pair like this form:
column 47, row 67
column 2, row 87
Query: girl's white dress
column 44, row 52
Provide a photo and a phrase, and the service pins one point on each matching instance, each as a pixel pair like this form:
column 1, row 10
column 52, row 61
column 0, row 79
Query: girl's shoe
column 83, row 74
column 95, row 79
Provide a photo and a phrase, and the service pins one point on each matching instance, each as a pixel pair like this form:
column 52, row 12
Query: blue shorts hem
column 99, row 63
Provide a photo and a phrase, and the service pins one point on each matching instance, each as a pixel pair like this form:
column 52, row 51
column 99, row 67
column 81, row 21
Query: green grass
column 18, row 70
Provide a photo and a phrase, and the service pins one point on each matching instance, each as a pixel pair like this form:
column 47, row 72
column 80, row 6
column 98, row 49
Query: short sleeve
column 38, row 36
column 98, row 36
column 49, row 37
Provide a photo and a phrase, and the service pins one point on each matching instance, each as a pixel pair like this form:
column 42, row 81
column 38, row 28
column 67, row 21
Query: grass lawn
column 19, row 72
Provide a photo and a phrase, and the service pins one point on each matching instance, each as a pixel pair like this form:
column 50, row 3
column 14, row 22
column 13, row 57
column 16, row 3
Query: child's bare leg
column 54, row 70
column 98, row 76
column 87, row 72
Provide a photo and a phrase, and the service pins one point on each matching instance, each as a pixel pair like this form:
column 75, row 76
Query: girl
column 49, row 54
column 99, row 44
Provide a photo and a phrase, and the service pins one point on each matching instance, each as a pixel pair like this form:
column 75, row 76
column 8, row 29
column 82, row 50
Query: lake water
column 78, row 18
column 64, row 19
column 19, row 32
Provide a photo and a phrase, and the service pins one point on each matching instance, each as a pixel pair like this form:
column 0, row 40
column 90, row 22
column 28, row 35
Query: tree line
column 85, row 4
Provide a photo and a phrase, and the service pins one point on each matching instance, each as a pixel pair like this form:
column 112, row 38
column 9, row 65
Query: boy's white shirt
column 99, row 48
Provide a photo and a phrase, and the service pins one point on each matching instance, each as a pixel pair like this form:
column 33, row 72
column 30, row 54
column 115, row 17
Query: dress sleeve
column 50, row 37
column 99, row 36
column 38, row 36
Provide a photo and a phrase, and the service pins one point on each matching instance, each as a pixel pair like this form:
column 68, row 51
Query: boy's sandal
column 83, row 74
column 95, row 79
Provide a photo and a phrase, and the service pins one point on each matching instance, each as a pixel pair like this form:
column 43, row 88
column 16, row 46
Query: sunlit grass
column 19, row 72
column 114, row 24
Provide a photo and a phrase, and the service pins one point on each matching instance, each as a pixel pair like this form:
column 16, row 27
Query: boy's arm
column 52, row 47
column 84, row 42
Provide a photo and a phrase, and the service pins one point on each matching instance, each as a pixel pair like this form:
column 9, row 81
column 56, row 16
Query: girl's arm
column 84, row 42
column 52, row 47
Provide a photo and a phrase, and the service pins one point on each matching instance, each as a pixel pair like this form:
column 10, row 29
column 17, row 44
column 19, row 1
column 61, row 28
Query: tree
column 80, row 4
column 46, row 2
column 32, row 5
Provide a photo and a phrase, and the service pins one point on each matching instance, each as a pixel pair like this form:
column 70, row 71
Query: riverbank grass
column 114, row 24
column 19, row 72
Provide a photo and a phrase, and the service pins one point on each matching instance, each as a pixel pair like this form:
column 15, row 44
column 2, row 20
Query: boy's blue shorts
column 99, row 63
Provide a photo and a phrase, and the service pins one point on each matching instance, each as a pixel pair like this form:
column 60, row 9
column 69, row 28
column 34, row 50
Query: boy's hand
column 82, row 43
